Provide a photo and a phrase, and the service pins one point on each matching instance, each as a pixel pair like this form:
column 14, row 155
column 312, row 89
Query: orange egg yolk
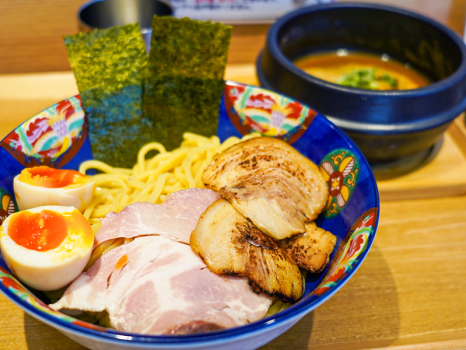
column 121, row 262
column 38, row 231
column 44, row 176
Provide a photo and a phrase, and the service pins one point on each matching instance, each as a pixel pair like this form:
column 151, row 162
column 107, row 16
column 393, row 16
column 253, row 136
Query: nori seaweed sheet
column 110, row 66
column 185, row 77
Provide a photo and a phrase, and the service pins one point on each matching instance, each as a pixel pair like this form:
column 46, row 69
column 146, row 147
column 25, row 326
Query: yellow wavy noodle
column 101, row 249
column 54, row 295
column 100, row 318
column 276, row 307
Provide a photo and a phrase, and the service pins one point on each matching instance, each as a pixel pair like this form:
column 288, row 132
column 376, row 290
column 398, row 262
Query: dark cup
column 390, row 127
column 101, row 14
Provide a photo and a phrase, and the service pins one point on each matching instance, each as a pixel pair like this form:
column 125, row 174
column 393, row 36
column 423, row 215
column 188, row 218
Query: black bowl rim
column 421, row 124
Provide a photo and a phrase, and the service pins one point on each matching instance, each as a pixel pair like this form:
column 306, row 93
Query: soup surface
column 362, row 70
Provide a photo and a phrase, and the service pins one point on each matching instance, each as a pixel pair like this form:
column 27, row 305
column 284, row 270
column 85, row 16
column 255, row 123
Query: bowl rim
column 288, row 316
column 456, row 77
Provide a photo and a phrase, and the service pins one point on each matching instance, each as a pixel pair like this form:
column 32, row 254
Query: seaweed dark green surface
column 185, row 77
column 110, row 66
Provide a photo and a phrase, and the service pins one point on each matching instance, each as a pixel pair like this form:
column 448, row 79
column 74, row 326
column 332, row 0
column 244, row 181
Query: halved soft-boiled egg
column 42, row 185
column 46, row 247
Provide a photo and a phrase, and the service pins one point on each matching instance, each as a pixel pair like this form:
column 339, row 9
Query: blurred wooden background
column 31, row 31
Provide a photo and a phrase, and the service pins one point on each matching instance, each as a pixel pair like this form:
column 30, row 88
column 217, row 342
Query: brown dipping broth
column 334, row 66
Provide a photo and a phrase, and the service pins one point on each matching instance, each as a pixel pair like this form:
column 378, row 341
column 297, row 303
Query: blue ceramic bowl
column 386, row 125
column 352, row 215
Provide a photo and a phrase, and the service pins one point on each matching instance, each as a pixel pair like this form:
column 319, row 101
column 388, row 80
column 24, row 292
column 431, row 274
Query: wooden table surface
column 410, row 292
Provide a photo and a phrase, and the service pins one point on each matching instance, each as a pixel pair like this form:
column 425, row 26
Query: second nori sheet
column 185, row 78
column 110, row 66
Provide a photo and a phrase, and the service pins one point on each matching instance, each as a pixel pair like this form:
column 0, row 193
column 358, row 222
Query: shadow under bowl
column 388, row 126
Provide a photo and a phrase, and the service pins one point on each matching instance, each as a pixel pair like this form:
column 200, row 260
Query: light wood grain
column 409, row 290
column 22, row 96
column 458, row 133
column 31, row 34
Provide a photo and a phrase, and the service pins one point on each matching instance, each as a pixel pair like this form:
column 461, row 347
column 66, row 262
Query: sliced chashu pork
column 269, row 182
column 155, row 285
column 176, row 217
column 231, row 244
column 310, row 250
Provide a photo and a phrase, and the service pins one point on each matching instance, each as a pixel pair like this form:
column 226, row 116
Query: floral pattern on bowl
column 46, row 138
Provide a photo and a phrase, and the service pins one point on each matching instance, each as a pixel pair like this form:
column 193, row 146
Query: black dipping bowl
column 388, row 126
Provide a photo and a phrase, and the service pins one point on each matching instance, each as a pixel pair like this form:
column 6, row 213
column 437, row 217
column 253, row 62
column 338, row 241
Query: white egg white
column 51, row 269
column 29, row 196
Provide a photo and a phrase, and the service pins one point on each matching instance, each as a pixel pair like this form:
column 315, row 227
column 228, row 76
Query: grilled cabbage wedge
column 231, row 244
column 270, row 183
